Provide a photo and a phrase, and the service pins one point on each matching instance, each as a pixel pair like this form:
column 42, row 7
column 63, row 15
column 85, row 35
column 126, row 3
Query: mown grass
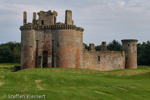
column 77, row 84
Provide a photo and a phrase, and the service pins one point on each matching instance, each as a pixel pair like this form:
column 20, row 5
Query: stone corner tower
column 130, row 48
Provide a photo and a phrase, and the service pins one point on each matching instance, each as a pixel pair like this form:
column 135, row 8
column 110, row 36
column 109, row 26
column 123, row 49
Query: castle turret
column 34, row 18
column 104, row 46
column 28, row 45
column 24, row 17
column 68, row 17
column 130, row 48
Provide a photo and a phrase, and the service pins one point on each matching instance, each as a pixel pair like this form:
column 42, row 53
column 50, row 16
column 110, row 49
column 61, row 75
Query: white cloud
column 122, row 3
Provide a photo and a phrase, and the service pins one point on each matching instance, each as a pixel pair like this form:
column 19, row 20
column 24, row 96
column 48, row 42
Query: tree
column 10, row 52
column 16, row 54
column 98, row 48
column 5, row 54
column 143, row 53
column 114, row 46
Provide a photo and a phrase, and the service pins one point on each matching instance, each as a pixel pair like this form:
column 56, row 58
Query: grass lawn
column 75, row 84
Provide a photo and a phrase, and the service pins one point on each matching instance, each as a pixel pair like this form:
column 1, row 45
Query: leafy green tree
column 114, row 46
column 98, row 48
column 5, row 54
column 10, row 52
column 143, row 53
column 16, row 54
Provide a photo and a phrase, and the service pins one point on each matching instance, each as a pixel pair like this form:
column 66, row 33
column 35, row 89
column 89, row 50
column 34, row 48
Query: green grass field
column 75, row 84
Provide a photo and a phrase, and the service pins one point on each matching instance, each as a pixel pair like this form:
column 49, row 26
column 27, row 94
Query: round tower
column 28, row 45
column 130, row 48
column 28, row 49
column 67, row 46
column 67, row 43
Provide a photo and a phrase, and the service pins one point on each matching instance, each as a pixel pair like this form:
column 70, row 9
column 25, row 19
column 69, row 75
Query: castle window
column 42, row 22
column 128, row 45
column 98, row 58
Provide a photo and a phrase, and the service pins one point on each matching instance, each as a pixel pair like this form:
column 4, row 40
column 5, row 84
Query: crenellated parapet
column 47, row 21
column 129, row 40
column 48, row 13
column 110, row 52
column 50, row 27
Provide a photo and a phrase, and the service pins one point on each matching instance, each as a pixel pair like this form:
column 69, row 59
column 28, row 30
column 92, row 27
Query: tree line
column 11, row 52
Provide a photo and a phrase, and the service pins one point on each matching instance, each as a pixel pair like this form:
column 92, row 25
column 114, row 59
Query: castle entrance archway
column 45, row 56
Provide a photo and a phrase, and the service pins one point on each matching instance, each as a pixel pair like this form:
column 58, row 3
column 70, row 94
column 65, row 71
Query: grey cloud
column 103, row 20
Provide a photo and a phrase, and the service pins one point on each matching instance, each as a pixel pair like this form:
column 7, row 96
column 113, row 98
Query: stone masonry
column 48, row 43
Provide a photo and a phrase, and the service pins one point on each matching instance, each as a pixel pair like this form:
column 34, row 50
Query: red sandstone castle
column 46, row 43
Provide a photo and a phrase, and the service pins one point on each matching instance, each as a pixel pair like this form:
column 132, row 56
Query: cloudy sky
column 103, row 20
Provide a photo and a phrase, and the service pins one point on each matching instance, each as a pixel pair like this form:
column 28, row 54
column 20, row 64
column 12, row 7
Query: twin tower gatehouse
column 48, row 43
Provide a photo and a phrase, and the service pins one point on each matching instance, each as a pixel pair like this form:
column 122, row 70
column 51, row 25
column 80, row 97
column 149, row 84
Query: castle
column 48, row 43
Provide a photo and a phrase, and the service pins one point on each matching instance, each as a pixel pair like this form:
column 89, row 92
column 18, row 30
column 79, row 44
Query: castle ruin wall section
column 44, row 44
column 103, row 60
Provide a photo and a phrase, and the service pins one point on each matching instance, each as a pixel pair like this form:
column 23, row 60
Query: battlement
column 47, row 20
column 48, row 13
column 106, row 51
column 52, row 27
column 129, row 40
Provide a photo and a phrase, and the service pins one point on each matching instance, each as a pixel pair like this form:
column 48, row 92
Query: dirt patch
column 39, row 87
column 2, row 76
column 121, row 88
column 104, row 93
column 133, row 87
column 1, row 83
column 38, row 81
column 25, row 90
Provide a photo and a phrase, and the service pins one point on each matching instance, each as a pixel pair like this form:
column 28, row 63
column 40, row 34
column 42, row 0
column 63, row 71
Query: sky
column 103, row 20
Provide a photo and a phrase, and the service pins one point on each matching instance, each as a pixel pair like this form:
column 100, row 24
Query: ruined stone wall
column 28, row 49
column 44, row 43
column 103, row 60
column 67, row 48
column 48, row 18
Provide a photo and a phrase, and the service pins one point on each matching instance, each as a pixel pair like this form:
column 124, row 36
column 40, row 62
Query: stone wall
column 47, row 18
column 44, row 39
column 103, row 60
